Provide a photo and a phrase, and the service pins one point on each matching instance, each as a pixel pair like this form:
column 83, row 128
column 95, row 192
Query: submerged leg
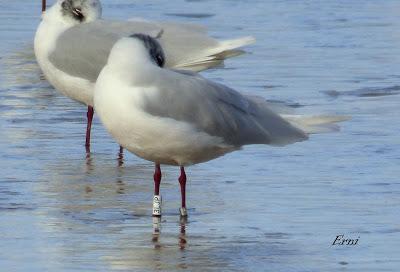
column 120, row 156
column 157, row 196
column 182, row 182
column 89, row 115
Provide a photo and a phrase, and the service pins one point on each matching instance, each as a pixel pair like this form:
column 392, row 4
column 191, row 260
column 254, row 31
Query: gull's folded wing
column 219, row 111
column 83, row 50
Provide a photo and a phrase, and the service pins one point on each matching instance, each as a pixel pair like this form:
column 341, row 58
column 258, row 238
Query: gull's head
column 152, row 47
column 78, row 11
column 137, row 50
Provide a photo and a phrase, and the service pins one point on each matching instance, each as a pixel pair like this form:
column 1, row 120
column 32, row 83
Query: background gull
column 180, row 118
column 72, row 44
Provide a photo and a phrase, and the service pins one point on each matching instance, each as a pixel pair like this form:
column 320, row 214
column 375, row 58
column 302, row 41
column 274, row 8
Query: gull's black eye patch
column 72, row 9
column 154, row 48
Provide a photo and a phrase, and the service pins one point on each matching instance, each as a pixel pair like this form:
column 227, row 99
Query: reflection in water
column 89, row 162
column 107, row 214
column 182, row 239
column 120, row 186
column 156, row 232
column 156, row 227
column 121, row 156
column 182, row 235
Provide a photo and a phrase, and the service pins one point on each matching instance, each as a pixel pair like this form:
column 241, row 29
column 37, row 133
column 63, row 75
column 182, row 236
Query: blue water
column 260, row 209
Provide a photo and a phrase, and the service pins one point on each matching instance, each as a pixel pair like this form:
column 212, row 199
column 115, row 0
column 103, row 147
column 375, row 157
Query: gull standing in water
column 72, row 44
column 180, row 118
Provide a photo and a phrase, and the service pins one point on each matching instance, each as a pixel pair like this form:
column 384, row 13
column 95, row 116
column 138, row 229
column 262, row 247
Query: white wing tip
column 237, row 43
column 318, row 123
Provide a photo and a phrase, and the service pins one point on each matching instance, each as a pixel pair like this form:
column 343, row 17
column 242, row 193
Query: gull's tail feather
column 316, row 124
column 215, row 56
column 228, row 45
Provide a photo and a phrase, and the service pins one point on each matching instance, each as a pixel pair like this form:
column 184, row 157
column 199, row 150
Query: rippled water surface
column 260, row 209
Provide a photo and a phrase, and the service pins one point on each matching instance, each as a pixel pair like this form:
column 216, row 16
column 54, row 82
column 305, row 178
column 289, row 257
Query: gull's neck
column 53, row 17
column 136, row 72
column 50, row 28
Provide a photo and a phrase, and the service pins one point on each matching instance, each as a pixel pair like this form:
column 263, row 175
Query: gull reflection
column 89, row 162
column 120, row 186
column 182, row 235
column 182, row 239
column 120, row 158
column 156, row 232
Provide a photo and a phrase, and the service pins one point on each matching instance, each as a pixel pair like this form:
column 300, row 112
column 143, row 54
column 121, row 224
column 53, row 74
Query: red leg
column 157, row 179
column 89, row 115
column 43, row 5
column 157, row 197
column 182, row 182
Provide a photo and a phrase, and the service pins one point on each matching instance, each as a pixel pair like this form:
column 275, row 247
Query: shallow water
column 260, row 209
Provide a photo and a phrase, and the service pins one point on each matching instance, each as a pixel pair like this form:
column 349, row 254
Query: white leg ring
column 157, row 205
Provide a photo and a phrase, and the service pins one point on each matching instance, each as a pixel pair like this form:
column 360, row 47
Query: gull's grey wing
column 192, row 27
column 182, row 44
column 220, row 111
column 83, row 50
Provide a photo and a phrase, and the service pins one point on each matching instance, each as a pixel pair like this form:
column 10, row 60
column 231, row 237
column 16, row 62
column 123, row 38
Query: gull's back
column 83, row 50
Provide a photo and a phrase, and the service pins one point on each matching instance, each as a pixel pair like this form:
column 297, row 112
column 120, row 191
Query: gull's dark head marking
column 81, row 10
column 153, row 47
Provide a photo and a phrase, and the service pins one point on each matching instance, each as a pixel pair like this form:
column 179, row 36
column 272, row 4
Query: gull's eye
column 160, row 60
column 78, row 14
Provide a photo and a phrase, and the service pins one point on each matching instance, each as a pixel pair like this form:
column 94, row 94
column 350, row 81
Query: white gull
column 180, row 118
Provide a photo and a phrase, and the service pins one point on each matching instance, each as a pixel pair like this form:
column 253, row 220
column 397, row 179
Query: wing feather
column 83, row 50
column 219, row 111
